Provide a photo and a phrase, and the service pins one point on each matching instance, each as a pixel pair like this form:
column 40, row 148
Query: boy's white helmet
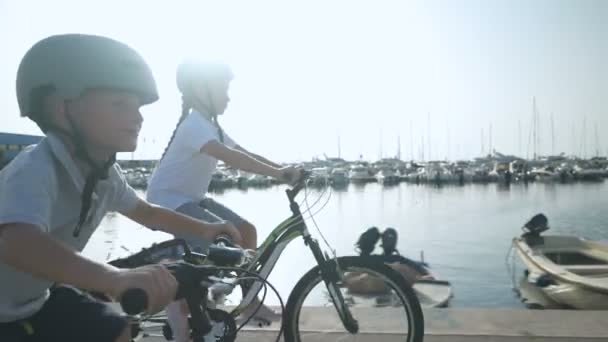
column 71, row 63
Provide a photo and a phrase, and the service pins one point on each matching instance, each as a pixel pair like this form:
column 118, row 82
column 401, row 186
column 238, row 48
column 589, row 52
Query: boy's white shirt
column 42, row 186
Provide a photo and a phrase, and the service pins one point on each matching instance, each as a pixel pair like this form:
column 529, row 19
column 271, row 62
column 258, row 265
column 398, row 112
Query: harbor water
column 463, row 232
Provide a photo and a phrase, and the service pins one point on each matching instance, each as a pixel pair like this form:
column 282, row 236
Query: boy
column 84, row 92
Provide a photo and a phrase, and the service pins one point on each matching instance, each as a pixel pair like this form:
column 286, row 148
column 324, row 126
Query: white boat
column 387, row 176
column 438, row 173
column 136, row 178
column 339, row 177
column 562, row 271
column 223, row 178
column 259, row 181
column 360, row 174
column 416, row 176
column 591, row 175
column 433, row 293
column 545, row 176
column 319, row 176
column 480, row 175
column 242, row 179
column 501, row 173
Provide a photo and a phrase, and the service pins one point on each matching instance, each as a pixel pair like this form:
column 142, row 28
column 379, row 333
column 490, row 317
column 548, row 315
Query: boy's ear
column 55, row 109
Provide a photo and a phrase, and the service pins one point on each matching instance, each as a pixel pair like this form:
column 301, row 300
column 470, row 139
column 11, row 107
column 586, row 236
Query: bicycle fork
column 331, row 275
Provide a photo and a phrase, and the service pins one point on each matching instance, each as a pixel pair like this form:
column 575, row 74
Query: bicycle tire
column 313, row 277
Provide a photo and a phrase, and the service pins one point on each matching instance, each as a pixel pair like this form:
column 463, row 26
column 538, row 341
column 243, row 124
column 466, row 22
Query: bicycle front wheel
column 377, row 297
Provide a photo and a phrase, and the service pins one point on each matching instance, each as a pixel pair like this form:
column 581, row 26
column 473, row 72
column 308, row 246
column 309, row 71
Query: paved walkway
column 456, row 325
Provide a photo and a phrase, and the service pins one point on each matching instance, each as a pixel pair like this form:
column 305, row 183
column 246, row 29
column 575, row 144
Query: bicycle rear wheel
column 377, row 296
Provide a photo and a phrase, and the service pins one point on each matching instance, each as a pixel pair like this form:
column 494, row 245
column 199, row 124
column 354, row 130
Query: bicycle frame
column 273, row 246
column 266, row 257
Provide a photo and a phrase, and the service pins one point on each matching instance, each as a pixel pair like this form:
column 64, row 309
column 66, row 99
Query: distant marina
column 339, row 173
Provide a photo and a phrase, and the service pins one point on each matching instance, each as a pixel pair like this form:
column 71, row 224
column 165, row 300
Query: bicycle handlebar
column 292, row 193
column 189, row 277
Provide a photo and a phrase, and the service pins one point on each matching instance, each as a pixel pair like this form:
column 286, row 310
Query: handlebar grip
column 134, row 301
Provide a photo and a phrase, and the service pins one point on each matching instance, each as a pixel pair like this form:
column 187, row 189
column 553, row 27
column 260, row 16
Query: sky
column 359, row 78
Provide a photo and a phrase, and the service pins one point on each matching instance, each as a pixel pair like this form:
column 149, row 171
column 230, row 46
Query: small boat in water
column 359, row 174
column 562, row 271
column 431, row 292
column 338, row 177
column 387, row 176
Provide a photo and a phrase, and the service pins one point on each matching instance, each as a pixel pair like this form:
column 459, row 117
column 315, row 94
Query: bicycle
column 199, row 273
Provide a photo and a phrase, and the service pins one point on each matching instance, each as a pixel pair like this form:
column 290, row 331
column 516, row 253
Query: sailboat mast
column 339, row 149
column 490, row 145
column 583, row 151
column 448, row 129
column 422, row 148
column 519, row 137
column 398, row 147
column 429, row 124
column 482, row 144
column 573, row 144
column 538, row 133
column 534, row 127
column 552, row 136
column 380, row 157
column 597, row 143
column 412, row 139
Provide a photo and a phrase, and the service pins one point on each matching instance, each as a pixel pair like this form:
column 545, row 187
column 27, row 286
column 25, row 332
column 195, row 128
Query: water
column 465, row 232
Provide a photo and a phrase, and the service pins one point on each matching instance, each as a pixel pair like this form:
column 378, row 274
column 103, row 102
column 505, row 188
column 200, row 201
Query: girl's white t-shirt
column 184, row 174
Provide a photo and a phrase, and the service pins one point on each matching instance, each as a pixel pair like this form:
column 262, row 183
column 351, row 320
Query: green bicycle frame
column 273, row 246
column 269, row 253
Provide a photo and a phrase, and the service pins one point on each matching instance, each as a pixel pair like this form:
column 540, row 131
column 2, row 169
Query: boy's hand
column 156, row 280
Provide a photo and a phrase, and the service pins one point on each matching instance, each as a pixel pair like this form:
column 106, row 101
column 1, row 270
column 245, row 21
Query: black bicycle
column 328, row 298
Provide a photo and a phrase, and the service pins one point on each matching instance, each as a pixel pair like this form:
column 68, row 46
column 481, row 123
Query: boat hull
column 564, row 271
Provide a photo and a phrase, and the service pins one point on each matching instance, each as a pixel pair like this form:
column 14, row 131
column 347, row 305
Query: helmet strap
column 98, row 172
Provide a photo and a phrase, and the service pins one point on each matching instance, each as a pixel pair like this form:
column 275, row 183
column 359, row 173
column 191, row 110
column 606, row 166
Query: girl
column 182, row 177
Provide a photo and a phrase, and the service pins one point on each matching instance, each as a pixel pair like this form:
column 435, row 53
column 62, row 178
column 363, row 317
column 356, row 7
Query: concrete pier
column 456, row 325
